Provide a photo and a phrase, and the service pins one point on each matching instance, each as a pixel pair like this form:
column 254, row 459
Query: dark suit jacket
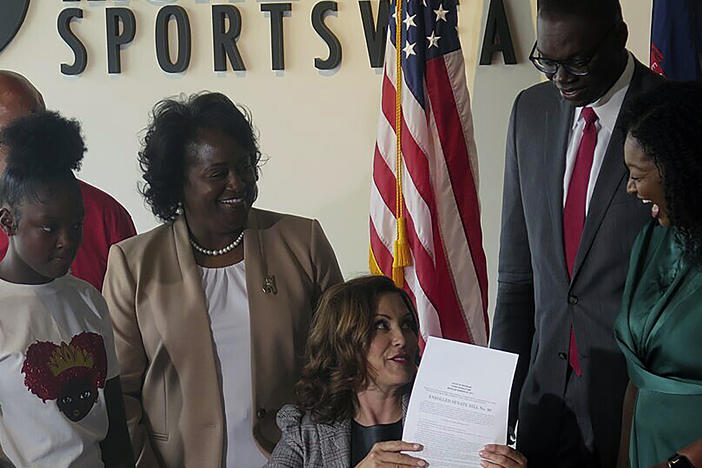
column 537, row 303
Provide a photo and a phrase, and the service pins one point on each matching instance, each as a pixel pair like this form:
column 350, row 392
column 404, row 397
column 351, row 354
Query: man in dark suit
column 567, row 228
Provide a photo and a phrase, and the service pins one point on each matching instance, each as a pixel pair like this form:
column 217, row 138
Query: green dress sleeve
column 659, row 330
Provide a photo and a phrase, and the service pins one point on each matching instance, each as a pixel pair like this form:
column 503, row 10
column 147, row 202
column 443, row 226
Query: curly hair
column 174, row 124
column 340, row 336
column 43, row 150
column 667, row 124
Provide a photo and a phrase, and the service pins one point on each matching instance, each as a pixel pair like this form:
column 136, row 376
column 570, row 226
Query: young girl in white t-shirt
column 60, row 397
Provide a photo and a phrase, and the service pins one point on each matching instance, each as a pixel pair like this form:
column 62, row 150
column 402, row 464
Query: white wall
column 317, row 128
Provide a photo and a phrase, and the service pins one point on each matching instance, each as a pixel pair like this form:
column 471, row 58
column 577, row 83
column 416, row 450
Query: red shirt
column 106, row 223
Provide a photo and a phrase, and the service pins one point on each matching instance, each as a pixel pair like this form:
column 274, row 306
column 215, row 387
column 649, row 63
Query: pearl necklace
column 222, row 251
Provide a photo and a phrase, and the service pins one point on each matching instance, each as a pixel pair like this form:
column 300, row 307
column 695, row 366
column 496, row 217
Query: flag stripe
column 422, row 268
column 452, row 319
column 384, row 181
column 430, row 323
column 382, row 255
column 415, row 200
column 453, row 239
column 459, row 168
column 417, row 166
column 455, row 67
column 431, row 282
column 383, row 219
column 464, row 278
column 446, row 277
column 414, row 301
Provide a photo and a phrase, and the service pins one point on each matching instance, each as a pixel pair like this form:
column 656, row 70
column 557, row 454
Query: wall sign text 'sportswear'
column 121, row 27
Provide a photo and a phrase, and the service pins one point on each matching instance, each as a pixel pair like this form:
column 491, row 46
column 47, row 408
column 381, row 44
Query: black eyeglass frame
column 582, row 62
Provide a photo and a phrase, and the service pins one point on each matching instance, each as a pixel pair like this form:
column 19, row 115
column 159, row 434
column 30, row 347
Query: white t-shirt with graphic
column 56, row 354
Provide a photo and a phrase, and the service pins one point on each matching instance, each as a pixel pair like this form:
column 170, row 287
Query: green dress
column 659, row 330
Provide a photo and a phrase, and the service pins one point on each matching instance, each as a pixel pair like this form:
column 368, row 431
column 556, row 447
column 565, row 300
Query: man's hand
column 501, row 456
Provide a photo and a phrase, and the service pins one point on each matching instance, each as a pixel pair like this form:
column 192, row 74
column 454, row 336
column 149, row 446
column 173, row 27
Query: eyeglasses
column 578, row 66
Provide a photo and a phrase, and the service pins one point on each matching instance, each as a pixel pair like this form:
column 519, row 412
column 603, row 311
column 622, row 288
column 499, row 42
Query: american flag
column 446, row 276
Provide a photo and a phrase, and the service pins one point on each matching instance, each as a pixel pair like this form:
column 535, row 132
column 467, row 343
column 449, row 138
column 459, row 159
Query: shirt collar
column 607, row 107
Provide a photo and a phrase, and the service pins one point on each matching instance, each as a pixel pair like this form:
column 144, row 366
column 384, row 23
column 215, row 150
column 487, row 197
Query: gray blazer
column 537, row 302
column 305, row 443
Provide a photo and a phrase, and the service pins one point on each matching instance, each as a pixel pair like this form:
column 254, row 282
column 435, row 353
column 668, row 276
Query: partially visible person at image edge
column 106, row 221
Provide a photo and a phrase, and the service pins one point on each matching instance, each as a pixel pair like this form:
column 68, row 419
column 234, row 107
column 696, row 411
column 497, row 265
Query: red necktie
column 574, row 211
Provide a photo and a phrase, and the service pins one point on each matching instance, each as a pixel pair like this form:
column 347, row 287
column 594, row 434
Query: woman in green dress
column 660, row 327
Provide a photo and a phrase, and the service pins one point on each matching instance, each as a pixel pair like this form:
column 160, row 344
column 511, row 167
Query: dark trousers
column 576, row 442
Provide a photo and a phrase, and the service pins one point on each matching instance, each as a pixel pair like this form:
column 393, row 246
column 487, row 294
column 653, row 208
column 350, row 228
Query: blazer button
column 563, row 356
column 572, row 300
column 261, row 413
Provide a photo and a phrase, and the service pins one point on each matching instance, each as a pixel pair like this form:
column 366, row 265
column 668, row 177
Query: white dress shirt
column 607, row 109
column 228, row 308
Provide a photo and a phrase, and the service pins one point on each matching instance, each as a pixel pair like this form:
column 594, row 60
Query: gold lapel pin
column 269, row 286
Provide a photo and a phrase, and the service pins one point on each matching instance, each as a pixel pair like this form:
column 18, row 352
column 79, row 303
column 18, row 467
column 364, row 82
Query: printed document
column 459, row 402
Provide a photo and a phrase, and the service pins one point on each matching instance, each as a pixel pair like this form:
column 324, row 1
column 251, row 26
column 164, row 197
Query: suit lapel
column 264, row 308
column 609, row 178
column 255, row 269
column 254, row 274
column 557, row 130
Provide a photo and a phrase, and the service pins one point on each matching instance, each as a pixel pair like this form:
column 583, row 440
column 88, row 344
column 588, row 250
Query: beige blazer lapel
column 256, row 267
column 184, row 326
column 288, row 263
column 255, row 272
column 265, row 305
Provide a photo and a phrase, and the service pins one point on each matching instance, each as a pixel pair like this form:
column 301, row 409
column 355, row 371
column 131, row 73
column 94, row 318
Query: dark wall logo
column 11, row 19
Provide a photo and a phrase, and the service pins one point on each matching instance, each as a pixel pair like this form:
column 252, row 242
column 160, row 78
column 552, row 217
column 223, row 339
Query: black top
column 363, row 438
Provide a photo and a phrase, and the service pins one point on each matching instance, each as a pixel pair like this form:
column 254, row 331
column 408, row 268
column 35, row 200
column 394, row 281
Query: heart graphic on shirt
column 70, row 373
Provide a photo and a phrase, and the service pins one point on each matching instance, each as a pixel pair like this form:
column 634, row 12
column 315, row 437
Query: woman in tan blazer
column 211, row 309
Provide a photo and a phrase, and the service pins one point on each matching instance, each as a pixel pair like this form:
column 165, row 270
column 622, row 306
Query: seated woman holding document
column 360, row 362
